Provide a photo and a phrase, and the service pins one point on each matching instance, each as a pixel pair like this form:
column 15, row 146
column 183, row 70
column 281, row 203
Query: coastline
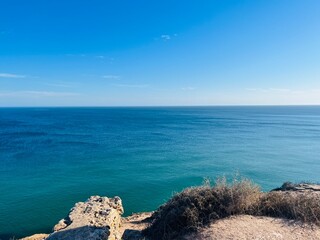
column 100, row 218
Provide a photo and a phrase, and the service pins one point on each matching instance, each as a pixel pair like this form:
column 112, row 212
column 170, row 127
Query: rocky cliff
column 97, row 218
column 100, row 218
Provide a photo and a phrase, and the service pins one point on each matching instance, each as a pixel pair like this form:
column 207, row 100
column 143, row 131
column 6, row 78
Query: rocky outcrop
column 40, row 236
column 300, row 187
column 98, row 218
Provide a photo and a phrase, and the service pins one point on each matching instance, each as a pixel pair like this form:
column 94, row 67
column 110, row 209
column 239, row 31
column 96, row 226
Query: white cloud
column 10, row 75
column 36, row 94
column 101, row 57
column 111, row 76
column 132, row 85
column 165, row 37
column 274, row 90
column 63, row 85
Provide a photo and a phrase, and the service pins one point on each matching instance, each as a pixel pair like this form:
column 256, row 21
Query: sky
column 159, row 53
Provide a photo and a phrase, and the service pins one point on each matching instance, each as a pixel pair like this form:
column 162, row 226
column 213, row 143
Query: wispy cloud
column 104, row 58
column 188, row 88
column 131, row 85
column 165, row 37
column 257, row 89
column 111, row 76
column 274, row 90
column 10, row 75
column 36, row 94
column 75, row 55
column 63, row 85
column 90, row 56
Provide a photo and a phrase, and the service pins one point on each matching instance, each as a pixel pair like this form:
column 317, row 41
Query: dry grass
column 297, row 206
column 196, row 207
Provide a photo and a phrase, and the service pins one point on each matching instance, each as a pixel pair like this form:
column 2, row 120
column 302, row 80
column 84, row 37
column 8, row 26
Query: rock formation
column 300, row 187
column 100, row 218
column 97, row 218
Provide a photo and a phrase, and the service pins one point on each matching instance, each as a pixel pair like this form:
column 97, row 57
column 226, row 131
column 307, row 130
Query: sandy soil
column 242, row 227
column 262, row 228
column 131, row 226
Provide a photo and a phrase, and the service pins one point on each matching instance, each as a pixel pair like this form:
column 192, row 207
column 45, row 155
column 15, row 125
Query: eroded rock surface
column 300, row 187
column 98, row 218
column 40, row 236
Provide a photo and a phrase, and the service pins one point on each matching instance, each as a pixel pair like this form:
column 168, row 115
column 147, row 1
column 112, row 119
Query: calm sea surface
column 51, row 158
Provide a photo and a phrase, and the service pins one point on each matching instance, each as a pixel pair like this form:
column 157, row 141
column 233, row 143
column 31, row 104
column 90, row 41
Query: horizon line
column 170, row 106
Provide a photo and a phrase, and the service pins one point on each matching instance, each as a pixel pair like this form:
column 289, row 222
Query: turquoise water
column 51, row 158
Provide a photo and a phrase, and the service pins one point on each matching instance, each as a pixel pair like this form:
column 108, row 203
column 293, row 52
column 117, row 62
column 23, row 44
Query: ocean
column 51, row 158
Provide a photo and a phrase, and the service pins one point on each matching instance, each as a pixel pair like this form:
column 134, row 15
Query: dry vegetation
column 302, row 207
column 196, row 207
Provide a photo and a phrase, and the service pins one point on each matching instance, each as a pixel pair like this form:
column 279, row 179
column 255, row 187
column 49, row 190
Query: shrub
column 196, row 207
column 304, row 207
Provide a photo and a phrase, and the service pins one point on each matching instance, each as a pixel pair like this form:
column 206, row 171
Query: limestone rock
column 300, row 187
column 60, row 225
column 98, row 218
column 40, row 236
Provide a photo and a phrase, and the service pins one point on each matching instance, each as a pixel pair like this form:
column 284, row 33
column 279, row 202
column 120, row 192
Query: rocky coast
column 101, row 218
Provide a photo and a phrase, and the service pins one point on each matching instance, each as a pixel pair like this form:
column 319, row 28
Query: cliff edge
column 236, row 211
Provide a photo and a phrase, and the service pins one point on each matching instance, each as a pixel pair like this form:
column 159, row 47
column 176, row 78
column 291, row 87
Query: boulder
column 98, row 218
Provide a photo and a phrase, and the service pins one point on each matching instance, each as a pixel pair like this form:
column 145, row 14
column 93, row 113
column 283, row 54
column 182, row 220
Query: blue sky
column 153, row 53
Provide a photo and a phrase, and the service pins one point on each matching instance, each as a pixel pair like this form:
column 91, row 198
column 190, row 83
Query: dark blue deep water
column 51, row 158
